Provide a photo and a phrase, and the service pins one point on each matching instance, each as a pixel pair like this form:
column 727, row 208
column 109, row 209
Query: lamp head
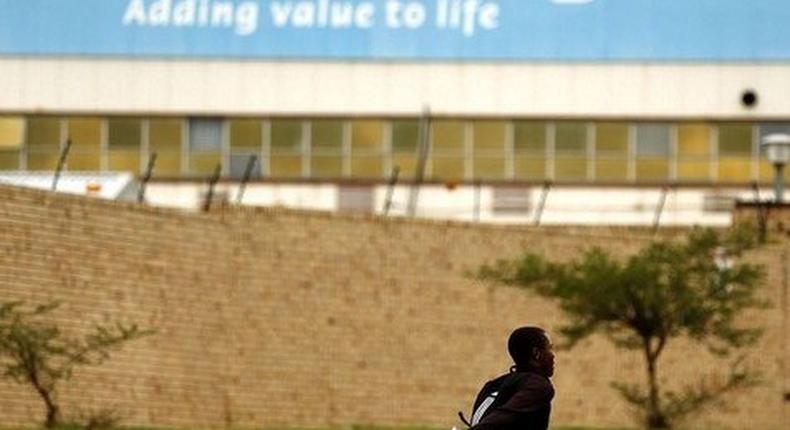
column 777, row 147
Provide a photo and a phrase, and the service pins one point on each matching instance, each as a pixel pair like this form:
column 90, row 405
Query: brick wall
column 775, row 216
column 280, row 318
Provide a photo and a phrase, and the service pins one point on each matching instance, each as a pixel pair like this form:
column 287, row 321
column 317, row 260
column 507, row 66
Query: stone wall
column 278, row 318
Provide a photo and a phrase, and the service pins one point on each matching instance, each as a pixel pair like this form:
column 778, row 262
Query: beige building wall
column 504, row 89
column 275, row 318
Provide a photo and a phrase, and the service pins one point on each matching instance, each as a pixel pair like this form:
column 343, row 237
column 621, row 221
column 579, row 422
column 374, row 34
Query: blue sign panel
column 458, row 30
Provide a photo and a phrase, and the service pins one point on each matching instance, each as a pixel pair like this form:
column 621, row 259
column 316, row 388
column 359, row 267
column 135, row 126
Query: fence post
column 391, row 189
column 64, row 153
column 149, row 169
column 542, row 202
column 422, row 159
column 477, row 191
column 211, row 183
column 247, row 173
column 660, row 207
column 762, row 215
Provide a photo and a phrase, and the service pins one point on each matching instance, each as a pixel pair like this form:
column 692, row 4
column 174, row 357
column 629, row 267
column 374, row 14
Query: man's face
column 545, row 358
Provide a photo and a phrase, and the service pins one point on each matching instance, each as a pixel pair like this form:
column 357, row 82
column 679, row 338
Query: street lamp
column 777, row 149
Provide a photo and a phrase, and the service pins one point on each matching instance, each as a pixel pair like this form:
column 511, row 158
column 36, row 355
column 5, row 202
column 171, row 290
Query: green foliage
column 668, row 289
column 35, row 352
column 692, row 397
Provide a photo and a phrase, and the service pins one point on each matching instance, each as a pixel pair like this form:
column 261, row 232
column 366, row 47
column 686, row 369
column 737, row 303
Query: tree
column 35, row 352
column 667, row 290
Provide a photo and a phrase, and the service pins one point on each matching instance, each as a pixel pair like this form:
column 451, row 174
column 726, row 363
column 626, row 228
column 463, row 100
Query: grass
column 352, row 427
column 349, row 427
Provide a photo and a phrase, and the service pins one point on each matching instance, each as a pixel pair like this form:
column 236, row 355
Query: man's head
column 531, row 349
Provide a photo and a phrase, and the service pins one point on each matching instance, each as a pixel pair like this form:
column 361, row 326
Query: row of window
column 601, row 151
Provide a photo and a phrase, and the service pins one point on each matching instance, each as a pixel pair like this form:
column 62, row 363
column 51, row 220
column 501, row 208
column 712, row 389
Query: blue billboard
column 422, row 30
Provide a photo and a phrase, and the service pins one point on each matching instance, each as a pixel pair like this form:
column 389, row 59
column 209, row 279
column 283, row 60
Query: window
column 286, row 166
column 407, row 163
column 205, row 145
column 286, row 148
column 86, row 136
column 204, row 163
column 735, row 152
column 489, row 149
column 367, row 148
column 286, row 137
column 529, row 167
column 326, row 138
column 489, row 168
column 124, row 133
column 205, row 135
column 43, row 132
column 165, row 137
column 245, row 142
column 735, row 139
column 367, row 137
column 11, row 130
column 652, row 140
column 11, row 135
column 448, row 168
column 529, row 149
column 405, row 141
column 448, row 137
column 326, row 166
column 123, row 141
column 694, row 140
column 611, row 151
column 570, row 148
column 85, row 133
column 652, row 152
column 529, row 137
column 43, row 143
column 239, row 162
column 245, row 135
column 405, row 136
column 611, row 139
column 571, row 138
column 448, row 150
column 694, row 155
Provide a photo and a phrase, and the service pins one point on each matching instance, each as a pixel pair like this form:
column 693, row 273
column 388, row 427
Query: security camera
column 749, row 98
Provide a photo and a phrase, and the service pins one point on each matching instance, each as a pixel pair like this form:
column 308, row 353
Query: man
column 521, row 399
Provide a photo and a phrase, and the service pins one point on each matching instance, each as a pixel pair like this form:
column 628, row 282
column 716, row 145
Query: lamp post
column 777, row 149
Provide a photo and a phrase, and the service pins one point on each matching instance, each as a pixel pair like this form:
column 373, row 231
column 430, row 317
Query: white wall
column 564, row 205
column 385, row 89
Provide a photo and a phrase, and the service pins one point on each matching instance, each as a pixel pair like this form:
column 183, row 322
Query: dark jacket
column 528, row 408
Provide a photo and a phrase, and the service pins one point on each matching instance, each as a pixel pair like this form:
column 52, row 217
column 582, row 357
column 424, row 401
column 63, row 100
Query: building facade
column 589, row 94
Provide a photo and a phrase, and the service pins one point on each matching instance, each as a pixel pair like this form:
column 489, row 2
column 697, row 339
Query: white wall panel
column 105, row 85
column 520, row 91
column 188, row 87
column 670, row 97
column 575, row 205
column 77, row 84
column 778, row 80
column 625, row 89
column 324, row 88
column 12, row 82
column 40, row 83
